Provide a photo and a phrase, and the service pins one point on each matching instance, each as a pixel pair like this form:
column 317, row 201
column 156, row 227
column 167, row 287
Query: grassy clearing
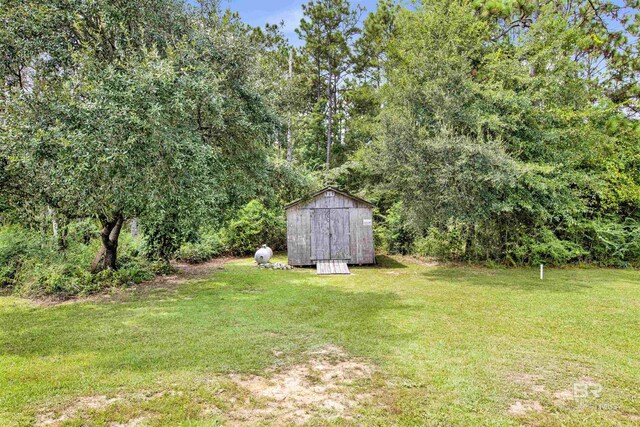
column 446, row 346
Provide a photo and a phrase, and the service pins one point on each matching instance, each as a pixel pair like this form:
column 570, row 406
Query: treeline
column 483, row 131
column 495, row 131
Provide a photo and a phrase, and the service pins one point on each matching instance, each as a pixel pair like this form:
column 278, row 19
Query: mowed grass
column 450, row 346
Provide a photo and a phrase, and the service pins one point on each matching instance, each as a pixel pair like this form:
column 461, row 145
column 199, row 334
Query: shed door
column 340, row 234
column 320, row 240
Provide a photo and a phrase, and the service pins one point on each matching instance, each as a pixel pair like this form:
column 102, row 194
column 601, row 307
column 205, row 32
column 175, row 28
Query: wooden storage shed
column 330, row 225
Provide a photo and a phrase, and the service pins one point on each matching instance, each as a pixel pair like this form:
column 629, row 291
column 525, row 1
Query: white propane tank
column 263, row 255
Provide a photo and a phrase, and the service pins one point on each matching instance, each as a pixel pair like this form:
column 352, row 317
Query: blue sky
column 258, row 13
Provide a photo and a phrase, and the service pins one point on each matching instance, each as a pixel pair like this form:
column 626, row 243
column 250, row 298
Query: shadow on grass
column 509, row 279
column 216, row 325
column 384, row 261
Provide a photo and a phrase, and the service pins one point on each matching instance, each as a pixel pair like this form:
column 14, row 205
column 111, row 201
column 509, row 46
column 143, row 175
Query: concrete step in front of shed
column 332, row 267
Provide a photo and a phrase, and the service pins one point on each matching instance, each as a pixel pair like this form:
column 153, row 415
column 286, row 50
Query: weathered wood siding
column 320, row 236
column 330, row 227
column 299, row 236
column 340, row 236
column 362, row 245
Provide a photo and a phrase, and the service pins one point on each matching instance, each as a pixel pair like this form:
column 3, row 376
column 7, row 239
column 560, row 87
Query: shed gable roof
column 324, row 190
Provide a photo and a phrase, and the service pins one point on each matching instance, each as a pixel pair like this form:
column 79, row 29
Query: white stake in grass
column 541, row 271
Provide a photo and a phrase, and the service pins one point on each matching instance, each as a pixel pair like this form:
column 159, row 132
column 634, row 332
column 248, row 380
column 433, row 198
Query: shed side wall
column 298, row 236
column 362, row 247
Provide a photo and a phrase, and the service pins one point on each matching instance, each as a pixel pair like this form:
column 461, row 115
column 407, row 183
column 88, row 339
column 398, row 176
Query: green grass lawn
column 446, row 346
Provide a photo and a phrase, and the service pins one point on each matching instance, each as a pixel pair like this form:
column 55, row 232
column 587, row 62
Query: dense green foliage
column 151, row 111
column 501, row 146
column 254, row 226
column 494, row 131
column 206, row 247
column 33, row 265
column 483, row 131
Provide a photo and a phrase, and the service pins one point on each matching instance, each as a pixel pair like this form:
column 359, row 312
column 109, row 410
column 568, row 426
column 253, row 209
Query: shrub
column 161, row 239
column 31, row 265
column 39, row 278
column 255, row 225
column 394, row 234
column 160, row 267
column 136, row 273
column 209, row 246
column 546, row 248
column 17, row 245
column 610, row 242
column 449, row 244
column 65, row 279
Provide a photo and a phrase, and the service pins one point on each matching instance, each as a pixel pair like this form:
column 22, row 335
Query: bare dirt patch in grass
column 522, row 408
column 75, row 409
column 563, row 397
column 323, row 386
column 80, row 408
column 131, row 423
column 633, row 417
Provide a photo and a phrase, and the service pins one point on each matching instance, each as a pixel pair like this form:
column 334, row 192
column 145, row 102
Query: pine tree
column 328, row 30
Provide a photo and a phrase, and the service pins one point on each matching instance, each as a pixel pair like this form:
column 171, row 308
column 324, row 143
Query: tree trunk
column 110, row 256
column 59, row 227
column 468, row 244
column 109, row 235
column 329, row 119
column 319, row 88
column 63, row 243
column 134, row 227
column 289, row 131
column 54, row 222
column 44, row 224
column 289, row 142
column 97, row 259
